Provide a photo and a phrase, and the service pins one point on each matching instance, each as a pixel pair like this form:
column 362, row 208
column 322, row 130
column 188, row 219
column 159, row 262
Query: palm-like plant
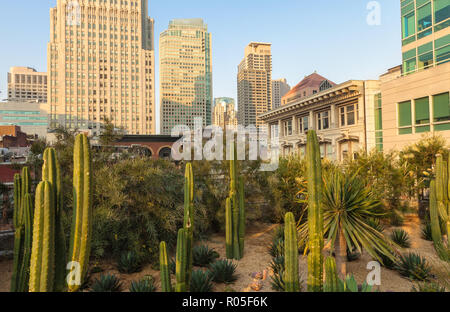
column 347, row 205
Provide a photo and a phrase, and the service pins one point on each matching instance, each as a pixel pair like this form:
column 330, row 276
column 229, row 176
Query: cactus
column 291, row 279
column 435, row 224
column 439, row 205
column 51, row 172
column 188, row 223
column 166, row 285
column 25, row 185
column 331, row 277
column 181, row 261
column 315, row 216
column 42, row 255
column 82, row 207
column 17, row 197
column 235, row 230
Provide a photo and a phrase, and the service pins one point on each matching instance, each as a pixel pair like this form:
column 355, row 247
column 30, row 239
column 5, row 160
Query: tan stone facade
column 255, row 84
column 101, row 66
column 343, row 116
column 280, row 88
column 26, row 84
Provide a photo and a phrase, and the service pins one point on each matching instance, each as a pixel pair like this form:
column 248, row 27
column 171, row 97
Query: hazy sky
column 329, row 36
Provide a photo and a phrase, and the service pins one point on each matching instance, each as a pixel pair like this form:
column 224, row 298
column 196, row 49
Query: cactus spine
column 189, row 219
column 315, row 216
column 331, row 277
column 51, row 172
column 166, row 285
column 235, row 232
column 181, row 261
column 82, row 207
column 291, row 279
column 42, row 254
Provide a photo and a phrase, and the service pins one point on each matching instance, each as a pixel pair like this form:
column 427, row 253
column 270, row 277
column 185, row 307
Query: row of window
column 425, row 56
column 424, row 114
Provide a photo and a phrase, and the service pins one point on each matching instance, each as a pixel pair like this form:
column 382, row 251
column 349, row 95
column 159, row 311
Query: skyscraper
column 26, row 84
column 101, row 65
column 255, row 84
column 185, row 74
column 224, row 113
column 280, row 88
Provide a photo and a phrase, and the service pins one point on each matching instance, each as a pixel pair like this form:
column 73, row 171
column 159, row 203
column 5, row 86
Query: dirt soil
column 257, row 260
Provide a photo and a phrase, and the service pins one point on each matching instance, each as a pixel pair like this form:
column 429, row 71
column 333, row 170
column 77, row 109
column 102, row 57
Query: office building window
column 409, row 61
column 422, row 115
column 404, row 118
column 425, row 53
column 441, row 10
column 323, row 120
column 424, row 17
column 441, row 111
column 442, row 47
column 348, row 115
column 408, row 24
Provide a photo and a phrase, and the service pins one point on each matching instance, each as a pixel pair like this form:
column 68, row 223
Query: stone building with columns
column 347, row 118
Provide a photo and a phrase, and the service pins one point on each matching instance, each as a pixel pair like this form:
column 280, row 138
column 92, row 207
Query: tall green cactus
column 17, row 198
column 27, row 221
column 331, row 276
column 188, row 223
column 42, row 255
column 51, row 172
column 79, row 250
column 166, row 285
column 25, row 184
column 440, row 208
column 181, row 261
column 236, row 232
column 315, row 215
column 229, row 229
column 291, row 279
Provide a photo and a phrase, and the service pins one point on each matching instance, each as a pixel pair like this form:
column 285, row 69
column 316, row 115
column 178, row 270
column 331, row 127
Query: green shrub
column 388, row 263
column 147, row 284
column 277, row 282
column 278, row 233
column 203, row 256
column 277, row 264
column 129, row 262
column 428, row 287
column 276, row 248
column 223, row 271
column 426, row 232
column 353, row 255
column 107, row 283
column 414, row 267
column 401, row 238
column 201, row 281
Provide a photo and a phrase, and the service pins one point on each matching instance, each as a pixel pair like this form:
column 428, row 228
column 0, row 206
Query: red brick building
column 12, row 136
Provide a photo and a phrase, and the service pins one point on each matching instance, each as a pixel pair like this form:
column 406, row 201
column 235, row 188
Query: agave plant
column 277, row 281
column 348, row 204
column 129, row 263
column 401, row 238
column 203, row 255
column 350, row 285
column 426, row 232
column 277, row 264
column 276, row 247
column 428, row 287
column 376, row 224
column 201, row 281
column 414, row 266
column 223, row 271
column 107, row 283
column 147, row 284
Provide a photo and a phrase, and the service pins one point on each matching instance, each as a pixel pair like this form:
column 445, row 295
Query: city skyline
column 341, row 33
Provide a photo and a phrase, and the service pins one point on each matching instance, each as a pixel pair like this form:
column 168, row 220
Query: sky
column 328, row 36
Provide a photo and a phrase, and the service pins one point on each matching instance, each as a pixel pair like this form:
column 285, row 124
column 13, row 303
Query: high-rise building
column 26, row 84
column 101, row 65
column 279, row 89
column 185, row 74
column 254, row 84
column 224, row 113
column 415, row 97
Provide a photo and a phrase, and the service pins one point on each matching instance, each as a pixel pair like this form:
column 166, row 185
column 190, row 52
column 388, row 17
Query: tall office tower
column 185, row 74
column 280, row 88
column 101, row 65
column 255, row 84
column 224, row 113
column 26, row 84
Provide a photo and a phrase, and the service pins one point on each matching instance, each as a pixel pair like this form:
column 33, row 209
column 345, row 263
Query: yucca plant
column 201, row 281
column 348, row 204
column 278, row 233
column 147, row 284
column 277, row 264
column 414, row 267
column 427, row 287
column 107, row 283
column 277, row 282
column 129, row 262
column 401, row 238
column 223, row 271
column 204, row 256
column 276, row 248
column 426, row 232
column 376, row 224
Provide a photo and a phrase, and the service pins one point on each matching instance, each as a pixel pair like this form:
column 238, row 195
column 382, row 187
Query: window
column 422, row 114
column 288, row 127
column 325, row 150
column 408, row 24
column 441, row 10
column 409, row 61
column 378, row 123
column 347, row 115
column 424, row 17
column 442, row 47
column 404, row 118
column 425, row 53
column 274, row 131
column 303, row 124
column 441, row 111
column 323, row 120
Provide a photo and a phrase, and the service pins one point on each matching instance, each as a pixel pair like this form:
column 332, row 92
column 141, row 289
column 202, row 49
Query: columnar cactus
column 25, row 184
column 17, row 198
column 27, row 221
column 189, row 219
column 291, row 279
column 82, row 204
column 181, row 261
column 229, row 229
column 441, row 207
column 51, row 172
column 331, row 277
column 236, row 232
column 166, row 285
column 42, row 254
column 435, row 224
column 315, row 216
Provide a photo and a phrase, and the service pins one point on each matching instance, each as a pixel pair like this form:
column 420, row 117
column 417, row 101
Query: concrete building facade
column 280, row 88
column 224, row 113
column 26, row 84
column 185, row 59
column 101, row 66
column 254, row 84
column 31, row 117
